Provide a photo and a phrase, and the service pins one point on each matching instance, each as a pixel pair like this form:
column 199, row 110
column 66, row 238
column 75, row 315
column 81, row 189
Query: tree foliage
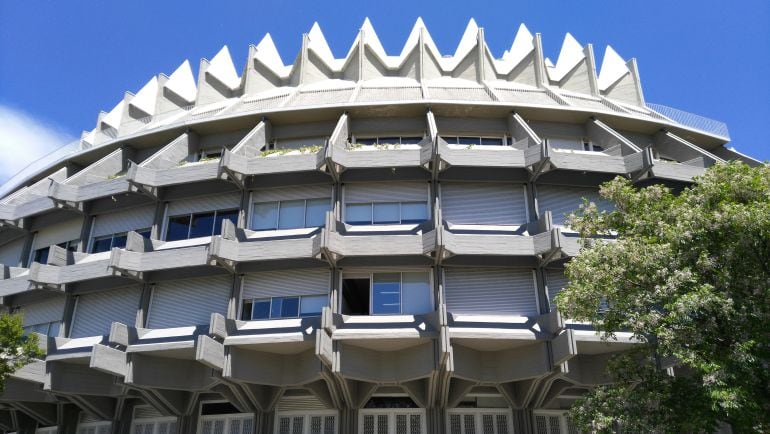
column 16, row 349
column 688, row 275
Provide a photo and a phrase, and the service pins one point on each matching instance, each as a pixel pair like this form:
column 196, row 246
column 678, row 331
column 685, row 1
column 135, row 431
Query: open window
column 387, row 293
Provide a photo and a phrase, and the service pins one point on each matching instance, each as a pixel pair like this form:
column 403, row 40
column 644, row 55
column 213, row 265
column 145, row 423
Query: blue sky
column 63, row 61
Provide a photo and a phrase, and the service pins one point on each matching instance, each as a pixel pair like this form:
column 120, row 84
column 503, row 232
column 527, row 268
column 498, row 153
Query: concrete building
column 363, row 245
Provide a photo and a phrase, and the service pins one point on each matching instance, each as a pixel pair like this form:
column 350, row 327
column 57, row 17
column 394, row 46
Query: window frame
column 351, row 273
column 391, row 413
column 116, row 235
column 478, row 414
column 354, row 139
column 400, row 213
column 192, row 215
column 505, row 139
column 277, row 222
column 306, row 415
column 253, row 302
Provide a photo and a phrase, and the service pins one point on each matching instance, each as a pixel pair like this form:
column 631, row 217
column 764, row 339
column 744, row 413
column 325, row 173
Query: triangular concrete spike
column 146, row 99
column 267, row 53
column 613, row 68
column 414, row 37
column 317, row 43
column 468, row 40
column 570, row 55
column 222, row 68
column 182, row 82
column 371, row 39
column 115, row 115
column 523, row 44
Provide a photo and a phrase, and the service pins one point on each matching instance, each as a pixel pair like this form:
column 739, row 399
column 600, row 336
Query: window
column 303, row 422
column 283, row 307
column 477, row 140
column 383, row 213
column 107, row 242
column 391, row 140
column 479, row 421
column 208, row 154
column 392, row 421
column 196, row 225
column 553, row 422
column 101, row 427
column 387, row 293
column 574, row 144
column 223, row 417
column 290, row 214
column 46, row 329
column 41, row 255
column 155, row 425
column 47, row 430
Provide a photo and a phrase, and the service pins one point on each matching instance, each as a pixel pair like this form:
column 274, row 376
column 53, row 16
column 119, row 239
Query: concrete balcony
column 287, row 350
column 149, row 179
column 73, row 196
column 12, row 213
column 238, row 166
column 371, row 162
column 65, row 267
column 142, row 255
column 366, row 245
column 367, row 352
column 487, row 162
column 13, row 280
column 236, row 247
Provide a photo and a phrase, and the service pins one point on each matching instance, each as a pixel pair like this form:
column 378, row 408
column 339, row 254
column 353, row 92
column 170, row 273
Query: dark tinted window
column 119, row 241
column 178, row 228
column 102, row 244
column 41, row 255
column 231, row 215
column 202, row 225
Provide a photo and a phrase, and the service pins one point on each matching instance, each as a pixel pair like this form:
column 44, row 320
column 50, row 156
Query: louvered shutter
column 58, row 233
column 124, row 221
column 189, row 302
column 10, row 253
column 490, row 291
column 562, row 201
column 483, row 203
column 386, row 192
column 556, row 282
column 95, row 312
column 284, row 283
column 318, row 191
column 48, row 310
column 204, row 203
column 299, row 403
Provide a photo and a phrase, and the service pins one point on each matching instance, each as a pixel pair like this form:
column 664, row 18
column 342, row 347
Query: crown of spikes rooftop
column 419, row 65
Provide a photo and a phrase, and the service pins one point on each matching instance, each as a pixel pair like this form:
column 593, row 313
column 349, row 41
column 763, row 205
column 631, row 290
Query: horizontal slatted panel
column 312, row 281
column 48, row 310
column 305, row 402
column 483, row 203
column 58, row 233
column 95, row 313
column 10, row 253
column 146, row 412
column 205, row 203
column 293, row 193
column 562, row 201
column 189, row 302
column 490, row 291
column 556, row 282
column 386, row 192
column 124, row 221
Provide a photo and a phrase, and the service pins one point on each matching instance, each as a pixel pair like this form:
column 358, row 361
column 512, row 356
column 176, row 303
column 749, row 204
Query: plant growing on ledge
column 689, row 277
column 16, row 349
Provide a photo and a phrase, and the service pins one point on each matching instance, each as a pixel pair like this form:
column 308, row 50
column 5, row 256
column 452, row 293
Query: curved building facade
column 361, row 245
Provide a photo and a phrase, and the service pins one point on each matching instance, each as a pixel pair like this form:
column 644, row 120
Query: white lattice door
column 227, row 424
column 392, row 421
column 306, row 423
column 478, row 421
column 553, row 423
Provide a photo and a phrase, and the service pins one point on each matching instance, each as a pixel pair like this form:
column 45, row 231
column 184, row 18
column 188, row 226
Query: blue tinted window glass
column 315, row 213
column 312, row 305
column 386, row 293
column 416, row 293
column 387, row 213
column 101, row 244
column 468, row 140
column 119, row 241
column 275, row 307
column 202, row 225
column 410, row 140
column 41, row 255
column 389, row 140
column 366, row 141
column 290, row 307
column 260, row 309
column 291, row 214
column 414, row 212
column 178, row 228
column 231, row 215
column 358, row 213
column 265, row 216
column 144, row 232
column 492, row 141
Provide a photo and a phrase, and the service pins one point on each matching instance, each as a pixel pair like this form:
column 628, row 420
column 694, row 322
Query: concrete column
column 523, row 421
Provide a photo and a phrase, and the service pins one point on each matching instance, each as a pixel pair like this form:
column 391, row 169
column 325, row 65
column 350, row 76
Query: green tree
column 689, row 275
column 16, row 349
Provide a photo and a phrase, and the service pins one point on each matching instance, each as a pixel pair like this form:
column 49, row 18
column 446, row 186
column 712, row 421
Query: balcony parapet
column 357, row 327
column 11, row 214
column 238, row 167
column 237, row 245
column 143, row 255
column 72, row 196
column 258, row 332
column 13, row 280
column 65, row 267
